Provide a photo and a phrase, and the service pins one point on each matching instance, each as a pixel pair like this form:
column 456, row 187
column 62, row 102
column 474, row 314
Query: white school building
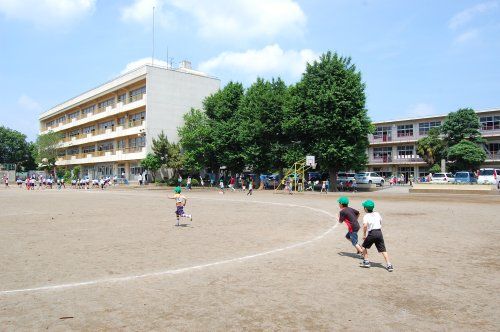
column 108, row 130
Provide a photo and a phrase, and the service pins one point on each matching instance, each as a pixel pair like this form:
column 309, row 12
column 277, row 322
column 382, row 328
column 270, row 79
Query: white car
column 489, row 176
column 369, row 178
column 443, row 178
column 344, row 177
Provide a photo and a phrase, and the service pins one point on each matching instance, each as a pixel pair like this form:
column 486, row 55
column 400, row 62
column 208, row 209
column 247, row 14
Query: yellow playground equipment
column 297, row 174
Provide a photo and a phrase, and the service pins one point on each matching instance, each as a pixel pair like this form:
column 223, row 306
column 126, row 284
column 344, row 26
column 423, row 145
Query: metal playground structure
column 295, row 176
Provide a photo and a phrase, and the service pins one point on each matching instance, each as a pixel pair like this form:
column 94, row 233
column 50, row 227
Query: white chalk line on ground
column 190, row 268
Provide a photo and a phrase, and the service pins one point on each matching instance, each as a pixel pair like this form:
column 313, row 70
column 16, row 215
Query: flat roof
column 430, row 117
column 133, row 75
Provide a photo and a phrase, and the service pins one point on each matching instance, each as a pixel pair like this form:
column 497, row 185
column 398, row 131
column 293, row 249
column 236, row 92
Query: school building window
column 136, row 170
column 424, row 127
column 106, row 103
column 73, row 115
column 405, row 150
column 88, row 149
column 120, row 145
column 138, row 116
column 137, row 142
column 50, row 123
column 382, row 132
column 72, row 152
column 405, row 130
column 88, row 110
column 137, row 92
column 61, row 119
column 74, row 133
column 382, row 152
column 490, row 122
column 493, row 148
column 106, row 146
column 88, row 130
column 107, row 124
column 122, row 97
column 121, row 121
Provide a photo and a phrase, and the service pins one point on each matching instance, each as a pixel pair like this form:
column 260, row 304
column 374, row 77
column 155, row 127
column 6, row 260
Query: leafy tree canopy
column 15, row 149
column 460, row 125
column 327, row 116
column 46, row 149
column 431, row 148
column 466, row 155
column 151, row 163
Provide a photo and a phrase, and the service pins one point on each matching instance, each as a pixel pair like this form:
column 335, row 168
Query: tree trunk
column 333, row 179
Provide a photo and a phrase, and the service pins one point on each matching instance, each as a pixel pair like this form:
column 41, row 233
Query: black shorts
column 375, row 237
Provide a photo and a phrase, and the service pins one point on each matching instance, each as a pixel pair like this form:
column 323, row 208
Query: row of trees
column 270, row 125
column 16, row 149
column 458, row 140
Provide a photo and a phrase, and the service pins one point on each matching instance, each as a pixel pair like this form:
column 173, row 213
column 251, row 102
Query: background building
column 109, row 129
column 392, row 147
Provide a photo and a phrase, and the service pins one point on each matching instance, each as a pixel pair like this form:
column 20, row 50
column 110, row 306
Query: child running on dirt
column 372, row 224
column 180, row 203
column 349, row 216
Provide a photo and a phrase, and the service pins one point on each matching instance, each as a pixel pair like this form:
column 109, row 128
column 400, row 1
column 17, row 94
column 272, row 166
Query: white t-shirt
column 373, row 220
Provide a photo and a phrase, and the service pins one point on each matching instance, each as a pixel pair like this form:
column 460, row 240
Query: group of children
column 372, row 230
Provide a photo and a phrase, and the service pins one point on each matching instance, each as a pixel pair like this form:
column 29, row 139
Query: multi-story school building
column 109, row 129
column 392, row 149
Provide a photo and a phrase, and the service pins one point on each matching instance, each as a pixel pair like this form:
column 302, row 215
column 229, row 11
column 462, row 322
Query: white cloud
column 47, row 13
column 141, row 62
column 28, row 104
column 224, row 19
column 270, row 60
column 467, row 36
column 421, row 110
column 470, row 13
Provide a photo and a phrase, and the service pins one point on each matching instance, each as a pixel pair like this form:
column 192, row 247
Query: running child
column 372, row 225
column 250, row 187
column 180, row 203
column 221, row 186
column 349, row 216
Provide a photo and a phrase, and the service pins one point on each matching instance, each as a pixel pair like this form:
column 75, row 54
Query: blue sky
column 416, row 57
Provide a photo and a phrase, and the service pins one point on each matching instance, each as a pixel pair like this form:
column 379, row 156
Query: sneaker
column 390, row 268
column 365, row 263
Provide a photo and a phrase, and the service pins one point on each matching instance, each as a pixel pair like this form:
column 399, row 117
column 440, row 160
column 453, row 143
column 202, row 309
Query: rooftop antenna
column 153, row 57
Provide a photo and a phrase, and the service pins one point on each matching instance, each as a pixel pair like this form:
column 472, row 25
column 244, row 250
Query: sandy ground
column 225, row 270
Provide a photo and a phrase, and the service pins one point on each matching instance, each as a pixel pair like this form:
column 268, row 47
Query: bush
column 60, row 173
column 67, row 176
column 195, row 182
column 435, row 169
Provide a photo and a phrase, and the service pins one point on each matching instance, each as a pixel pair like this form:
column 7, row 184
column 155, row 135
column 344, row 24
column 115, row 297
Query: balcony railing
column 96, row 111
column 102, row 153
column 396, row 160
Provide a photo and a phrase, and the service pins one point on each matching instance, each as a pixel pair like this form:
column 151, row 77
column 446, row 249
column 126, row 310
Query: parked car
column 442, row 178
column 344, row 177
column 465, row 177
column 489, row 176
column 369, row 178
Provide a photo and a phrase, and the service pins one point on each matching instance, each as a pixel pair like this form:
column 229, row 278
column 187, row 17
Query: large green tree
column 431, row 148
column 15, row 149
column 46, row 149
column 327, row 117
column 460, row 125
column 198, row 142
column 261, row 134
column 221, row 108
column 466, row 155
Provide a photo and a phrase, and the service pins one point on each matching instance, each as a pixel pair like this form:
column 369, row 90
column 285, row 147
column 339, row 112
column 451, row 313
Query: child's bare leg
column 365, row 254
column 386, row 257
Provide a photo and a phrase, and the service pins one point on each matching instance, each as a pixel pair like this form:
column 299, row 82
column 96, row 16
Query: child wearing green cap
column 349, row 217
column 180, row 202
column 372, row 225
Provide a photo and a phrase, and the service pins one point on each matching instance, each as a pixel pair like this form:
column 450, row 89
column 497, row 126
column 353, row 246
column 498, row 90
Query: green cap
column 368, row 204
column 343, row 200
column 177, row 190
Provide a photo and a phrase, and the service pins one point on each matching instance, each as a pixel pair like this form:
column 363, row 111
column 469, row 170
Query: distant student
column 221, row 185
column 372, row 234
column 323, row 187
column 250, row 187
column 180, row 203
column 349, row 217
